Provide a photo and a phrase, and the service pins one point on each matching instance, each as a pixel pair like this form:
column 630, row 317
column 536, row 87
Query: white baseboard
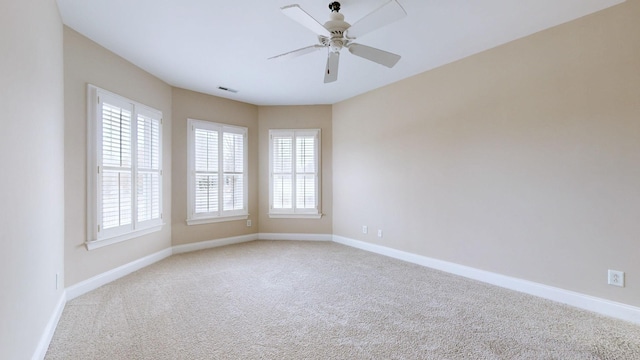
column 582, row 301
column 95, row 282
column 50, row 329
column 298, row 237
column 209, row 244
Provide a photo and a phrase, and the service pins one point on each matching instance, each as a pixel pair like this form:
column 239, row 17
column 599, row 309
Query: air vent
column 227, row 89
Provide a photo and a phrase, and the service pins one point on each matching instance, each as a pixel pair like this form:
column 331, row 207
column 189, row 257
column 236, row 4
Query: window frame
column 221, row 215
column 97, row 236
column 294, row 212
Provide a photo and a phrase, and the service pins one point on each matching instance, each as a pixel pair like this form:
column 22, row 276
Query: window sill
column 96, row 244
column 295, row 216
column 216, row 219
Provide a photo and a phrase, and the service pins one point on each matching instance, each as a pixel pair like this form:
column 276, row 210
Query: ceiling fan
column 336, row 34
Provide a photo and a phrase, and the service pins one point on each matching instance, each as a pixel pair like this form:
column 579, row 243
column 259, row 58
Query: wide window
column 125, row 168
column 217, row 172
column 294, row 181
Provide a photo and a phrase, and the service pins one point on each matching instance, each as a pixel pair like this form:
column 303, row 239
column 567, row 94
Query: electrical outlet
column 379, row 233
column 248, row 223
column 616, row 278
column 365, row 229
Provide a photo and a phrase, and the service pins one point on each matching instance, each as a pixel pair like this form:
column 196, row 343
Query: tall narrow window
column 125, row 168
column 217, row 157
column 294, row 182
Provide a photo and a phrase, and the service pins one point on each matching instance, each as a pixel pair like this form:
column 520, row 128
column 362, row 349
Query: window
column 294, row 181
column 217, row 166
column 124, row 167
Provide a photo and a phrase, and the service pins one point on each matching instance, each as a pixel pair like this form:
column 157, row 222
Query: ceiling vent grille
column 227, row 89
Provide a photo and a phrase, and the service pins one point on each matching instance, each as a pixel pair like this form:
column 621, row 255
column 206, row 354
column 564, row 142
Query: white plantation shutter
column 282, row 171
column 217, row 171
column 233, row 165
column 125, row 145
column 294, row 158
column 149, row 186
column 305, row 172
column 206, row 171
column 116, row 166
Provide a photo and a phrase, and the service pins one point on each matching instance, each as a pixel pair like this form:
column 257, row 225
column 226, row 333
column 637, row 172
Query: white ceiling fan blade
column 331, row 72
column 296, row 53
column 387, row 13
column 296, row 13
column 376, row 55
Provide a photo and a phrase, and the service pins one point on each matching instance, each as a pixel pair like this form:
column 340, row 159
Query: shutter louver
column 116, row 136
column 116, row 199
column 206, row 193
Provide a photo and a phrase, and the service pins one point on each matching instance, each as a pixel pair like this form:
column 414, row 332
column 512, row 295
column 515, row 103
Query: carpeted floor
column 321, row 300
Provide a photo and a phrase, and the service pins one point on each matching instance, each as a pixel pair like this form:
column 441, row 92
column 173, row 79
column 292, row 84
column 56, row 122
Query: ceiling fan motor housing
column 336, row 26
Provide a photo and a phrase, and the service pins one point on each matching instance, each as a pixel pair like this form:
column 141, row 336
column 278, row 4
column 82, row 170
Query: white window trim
column 297, row 213
column 216, row 219
column 94, row 239
column 294, row 216
column 220, row 216
column 91, row 245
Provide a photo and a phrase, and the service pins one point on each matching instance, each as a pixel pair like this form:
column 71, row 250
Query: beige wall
column 86, row 62
column 192, row 105
column 523, row 160
column 296, row 117
column 32, row 163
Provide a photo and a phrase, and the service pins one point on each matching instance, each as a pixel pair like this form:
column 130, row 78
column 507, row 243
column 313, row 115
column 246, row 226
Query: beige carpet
column 320, row 300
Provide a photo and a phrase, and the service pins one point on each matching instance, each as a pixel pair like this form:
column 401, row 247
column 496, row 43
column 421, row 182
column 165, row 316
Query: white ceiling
column 203, row 44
